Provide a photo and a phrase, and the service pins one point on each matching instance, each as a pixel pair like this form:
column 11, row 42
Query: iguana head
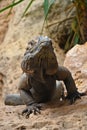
column 40, row 55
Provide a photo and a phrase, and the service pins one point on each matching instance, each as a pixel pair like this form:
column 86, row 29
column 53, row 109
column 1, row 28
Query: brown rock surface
column 4, row 19
column 55, row 115
column 76, row 61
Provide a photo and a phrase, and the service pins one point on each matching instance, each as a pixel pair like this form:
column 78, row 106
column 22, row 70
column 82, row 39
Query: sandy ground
column 54, row 116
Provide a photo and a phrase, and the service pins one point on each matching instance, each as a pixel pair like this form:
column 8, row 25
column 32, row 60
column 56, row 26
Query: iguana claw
column 73, row 96
column 34, row 108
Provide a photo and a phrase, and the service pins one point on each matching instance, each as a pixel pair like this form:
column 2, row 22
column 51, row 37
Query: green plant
column 78, row 33
column 11, row 5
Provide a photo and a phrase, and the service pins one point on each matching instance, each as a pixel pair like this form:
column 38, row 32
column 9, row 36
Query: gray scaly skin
column 40, row 72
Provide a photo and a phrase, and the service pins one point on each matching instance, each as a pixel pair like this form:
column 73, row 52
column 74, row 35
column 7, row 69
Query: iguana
column 38, row 83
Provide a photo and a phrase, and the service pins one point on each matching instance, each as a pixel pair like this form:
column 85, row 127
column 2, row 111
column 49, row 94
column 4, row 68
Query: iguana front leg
column 65, row 75
column 27, row 97
column 31, row 105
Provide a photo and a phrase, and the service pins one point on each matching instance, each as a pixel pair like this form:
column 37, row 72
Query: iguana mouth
column 40, row 55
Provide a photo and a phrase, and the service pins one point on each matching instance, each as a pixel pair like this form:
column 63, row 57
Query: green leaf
column 11, row 5
column 46, row 6
column 76, row 39
column 29, row 4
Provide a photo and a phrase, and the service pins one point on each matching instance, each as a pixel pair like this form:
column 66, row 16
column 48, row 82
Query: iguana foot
column 73, row 96
column 34, row 108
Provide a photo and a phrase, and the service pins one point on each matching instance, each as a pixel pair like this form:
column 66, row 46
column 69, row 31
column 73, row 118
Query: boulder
column 76, row 62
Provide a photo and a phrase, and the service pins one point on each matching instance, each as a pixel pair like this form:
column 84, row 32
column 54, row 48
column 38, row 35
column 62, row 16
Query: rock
column 24, row 29
column 76, row 62
column 4, row 20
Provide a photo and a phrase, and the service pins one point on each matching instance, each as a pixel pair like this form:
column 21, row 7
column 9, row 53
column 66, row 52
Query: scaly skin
column 38, row 82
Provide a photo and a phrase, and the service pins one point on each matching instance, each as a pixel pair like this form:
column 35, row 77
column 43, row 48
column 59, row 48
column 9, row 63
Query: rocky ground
column 55, row 115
